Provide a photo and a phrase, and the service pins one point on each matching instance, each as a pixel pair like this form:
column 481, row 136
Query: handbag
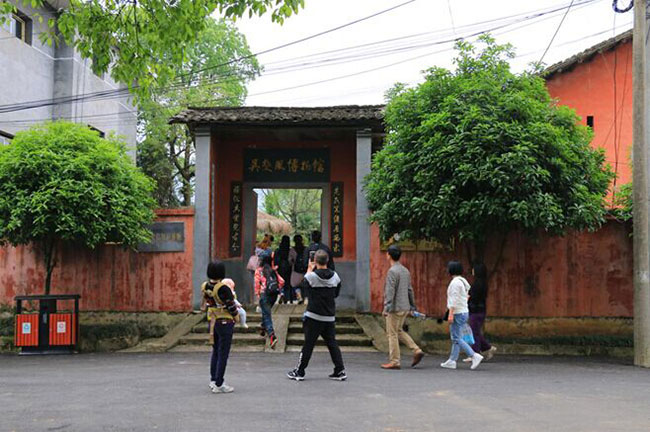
column 467, row 335
column 253, row 263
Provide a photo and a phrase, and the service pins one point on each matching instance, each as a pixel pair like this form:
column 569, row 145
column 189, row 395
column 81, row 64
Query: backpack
column 272, row 284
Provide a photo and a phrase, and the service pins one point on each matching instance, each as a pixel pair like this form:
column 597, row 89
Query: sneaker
column 243, row 326
column 467, row 360
column 338, row 376
column 489, row 353
column 273, row 341
column 213, row 385
column 476, row 360
column 295, row 375
column 449, row 364
column 223, row 389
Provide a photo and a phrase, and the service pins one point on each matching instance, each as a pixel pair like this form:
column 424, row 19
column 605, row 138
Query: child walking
column 322, row 286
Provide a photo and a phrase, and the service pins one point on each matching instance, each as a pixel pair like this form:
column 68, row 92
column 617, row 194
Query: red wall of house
column 109, row 277
column 229, row 162
column 602, row 87
column 579, row 275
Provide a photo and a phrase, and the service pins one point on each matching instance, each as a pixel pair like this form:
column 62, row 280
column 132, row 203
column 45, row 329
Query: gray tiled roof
column 587, row 54
column 332, row 115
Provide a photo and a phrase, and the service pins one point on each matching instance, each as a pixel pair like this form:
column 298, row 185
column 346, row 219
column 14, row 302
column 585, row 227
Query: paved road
column 169, row 392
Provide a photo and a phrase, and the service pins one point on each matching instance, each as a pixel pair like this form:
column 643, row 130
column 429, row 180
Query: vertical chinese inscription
column 336, row 239
column 235, row 219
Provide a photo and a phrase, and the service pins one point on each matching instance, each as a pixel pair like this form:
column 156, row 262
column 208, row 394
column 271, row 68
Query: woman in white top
column 457, row 296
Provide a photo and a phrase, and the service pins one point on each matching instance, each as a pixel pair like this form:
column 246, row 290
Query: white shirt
column 458, row 294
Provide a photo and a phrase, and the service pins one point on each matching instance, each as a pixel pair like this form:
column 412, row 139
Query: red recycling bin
column 26, row 333
column 62, row 329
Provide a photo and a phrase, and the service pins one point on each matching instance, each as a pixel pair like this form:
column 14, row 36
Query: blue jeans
column 223, row 331
column 266, row 303
column 457, row 342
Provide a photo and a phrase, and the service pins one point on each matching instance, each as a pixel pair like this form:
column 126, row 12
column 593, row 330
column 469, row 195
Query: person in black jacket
column 222, row 311
column 323, row 286
column 477, row 309
column 316, row 245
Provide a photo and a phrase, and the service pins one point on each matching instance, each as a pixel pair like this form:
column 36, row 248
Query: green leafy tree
column 60, row 182
column 143, row 42
column 166, row 152
column 300, row 207
column 479, row 151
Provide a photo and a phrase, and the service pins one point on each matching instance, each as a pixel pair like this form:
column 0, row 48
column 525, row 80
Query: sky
column 415, row 33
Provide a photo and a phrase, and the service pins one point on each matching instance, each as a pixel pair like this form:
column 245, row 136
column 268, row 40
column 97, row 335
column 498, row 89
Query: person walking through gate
column 283, row 264
column 268, row 286
column 222, row 311
column 299, row 268
column 316, row 245
column 457, row 294
column 323, row 286
column 399, row 302
column 477, row 310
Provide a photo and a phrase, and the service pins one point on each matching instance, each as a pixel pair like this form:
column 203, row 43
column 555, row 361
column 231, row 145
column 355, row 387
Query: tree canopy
column 166, row 152
column 143, row 42
column 300, row 207
column 61, row 182
column 481, row 150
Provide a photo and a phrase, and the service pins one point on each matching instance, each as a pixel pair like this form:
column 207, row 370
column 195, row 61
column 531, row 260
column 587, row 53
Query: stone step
column 342, row 319
column 238, row 339
column 203, row 328
column 342, row 339
column 208, row 348
column 344, row 349
column 296, row 327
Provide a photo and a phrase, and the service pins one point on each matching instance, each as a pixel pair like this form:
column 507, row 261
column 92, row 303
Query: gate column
column 364, row 150
column 202, row 214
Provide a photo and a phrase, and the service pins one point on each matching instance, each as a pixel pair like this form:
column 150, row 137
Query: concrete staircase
column 287, row 321
column 349, row 335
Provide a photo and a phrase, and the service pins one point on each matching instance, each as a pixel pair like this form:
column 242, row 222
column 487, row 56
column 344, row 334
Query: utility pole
column 641, row 164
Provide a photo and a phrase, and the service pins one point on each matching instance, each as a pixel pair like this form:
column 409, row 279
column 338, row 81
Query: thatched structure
column 272, row 224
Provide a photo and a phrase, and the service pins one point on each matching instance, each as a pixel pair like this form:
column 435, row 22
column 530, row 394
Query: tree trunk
column 49, row 261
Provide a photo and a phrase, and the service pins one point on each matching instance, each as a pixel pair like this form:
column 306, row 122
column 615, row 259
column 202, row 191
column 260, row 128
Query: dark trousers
column 327, row 331
column 266, row 303
column 476, row 321
column 223, row 330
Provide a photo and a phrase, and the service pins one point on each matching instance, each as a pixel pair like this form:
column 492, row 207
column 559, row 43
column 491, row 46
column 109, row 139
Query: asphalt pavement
column 169, row 392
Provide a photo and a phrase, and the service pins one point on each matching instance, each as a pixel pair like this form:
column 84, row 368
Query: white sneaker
column 449, row 364
column 213, row 385
column 490, row 353
column 467, row 360
column 223, row 389
column 243, row 325
column 476, row 360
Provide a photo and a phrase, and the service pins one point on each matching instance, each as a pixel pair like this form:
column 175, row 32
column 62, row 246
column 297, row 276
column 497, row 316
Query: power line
column 555, row 34
column 107, row 94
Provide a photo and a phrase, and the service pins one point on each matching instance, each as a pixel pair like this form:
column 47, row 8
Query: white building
column 32, row 71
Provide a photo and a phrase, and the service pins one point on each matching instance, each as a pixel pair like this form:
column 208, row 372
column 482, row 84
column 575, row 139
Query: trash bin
column 50, row 329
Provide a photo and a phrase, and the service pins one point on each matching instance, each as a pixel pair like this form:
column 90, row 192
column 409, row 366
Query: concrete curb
column 170, row 340
column 374, row 331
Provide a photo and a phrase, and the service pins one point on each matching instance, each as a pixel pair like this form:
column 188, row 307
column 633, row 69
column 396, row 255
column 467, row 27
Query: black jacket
column 477, row 297
column 316, row 247
column 322, row 287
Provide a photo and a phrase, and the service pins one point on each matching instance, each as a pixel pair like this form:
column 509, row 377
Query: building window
column 590, row 121
column 101, row 134
column 19, row 25
column 5, row 138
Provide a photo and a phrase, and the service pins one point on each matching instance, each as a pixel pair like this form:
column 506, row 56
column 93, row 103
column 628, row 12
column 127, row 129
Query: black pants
column 223, row 330
column 327, row 331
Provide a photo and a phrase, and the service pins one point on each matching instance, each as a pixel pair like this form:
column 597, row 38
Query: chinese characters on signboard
column 167, row 237
column 337, row 219
column 235, row 218
column 287, row 165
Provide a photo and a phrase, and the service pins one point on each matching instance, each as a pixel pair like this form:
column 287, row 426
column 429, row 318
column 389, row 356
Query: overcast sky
column 434, row 21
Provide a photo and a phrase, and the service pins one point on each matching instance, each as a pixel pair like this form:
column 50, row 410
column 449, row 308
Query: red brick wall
column 108, row 278
column 579, row 275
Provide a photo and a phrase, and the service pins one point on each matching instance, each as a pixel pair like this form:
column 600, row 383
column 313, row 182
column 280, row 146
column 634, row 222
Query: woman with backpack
column 268, row 286
column 283, row 264
column 298, row 267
